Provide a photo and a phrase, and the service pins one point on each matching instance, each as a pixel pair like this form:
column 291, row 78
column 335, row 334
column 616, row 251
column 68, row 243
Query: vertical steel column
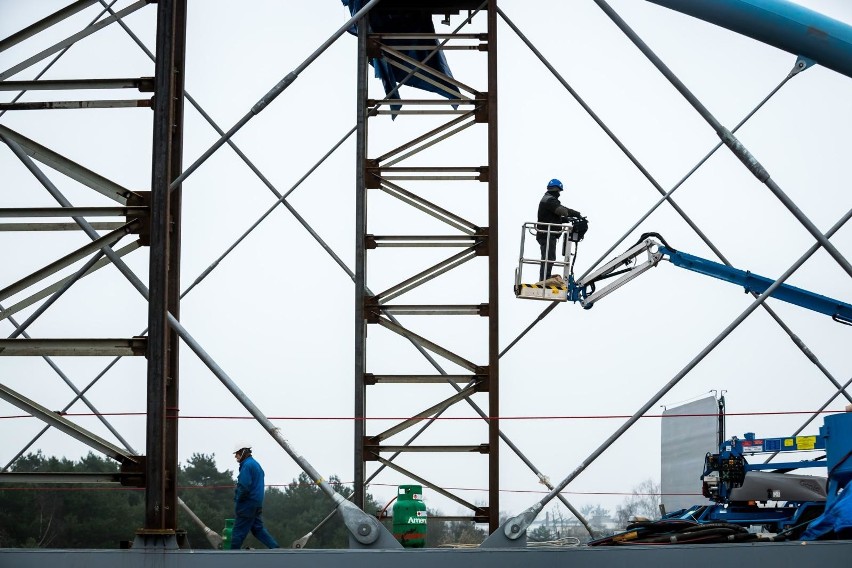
column 174, row 287
column 360, row 467
column 493, row 320
column 161, row 432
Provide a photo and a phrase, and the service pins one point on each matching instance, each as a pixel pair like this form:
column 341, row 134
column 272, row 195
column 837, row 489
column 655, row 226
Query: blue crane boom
column 780, row 23
column 758, row 284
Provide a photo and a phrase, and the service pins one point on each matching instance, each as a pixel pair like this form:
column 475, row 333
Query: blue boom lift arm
column 839, row 311
column 626, row 267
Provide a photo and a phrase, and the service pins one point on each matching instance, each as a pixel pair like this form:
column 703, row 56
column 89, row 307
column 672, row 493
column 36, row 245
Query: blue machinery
column 737, row 486
column 752, row 504
column 626, row 267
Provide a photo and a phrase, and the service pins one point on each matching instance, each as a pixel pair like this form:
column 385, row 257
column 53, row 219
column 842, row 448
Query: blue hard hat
column 554, row 183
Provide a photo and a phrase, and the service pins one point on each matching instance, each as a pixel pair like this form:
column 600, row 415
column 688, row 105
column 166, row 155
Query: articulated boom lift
column 627, row 266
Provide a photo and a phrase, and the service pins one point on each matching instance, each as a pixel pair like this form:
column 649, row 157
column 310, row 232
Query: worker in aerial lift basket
column 550, row 210
column 248, row 501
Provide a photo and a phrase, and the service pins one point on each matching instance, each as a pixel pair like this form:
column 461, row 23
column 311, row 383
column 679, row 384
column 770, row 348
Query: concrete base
column 155, row 540
column 776, row 555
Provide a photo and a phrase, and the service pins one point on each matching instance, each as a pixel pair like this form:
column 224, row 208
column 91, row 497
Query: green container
column 409, row 517
column 226, row 534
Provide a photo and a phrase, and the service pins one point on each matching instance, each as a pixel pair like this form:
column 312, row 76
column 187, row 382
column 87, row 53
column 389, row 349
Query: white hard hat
column 241, row 446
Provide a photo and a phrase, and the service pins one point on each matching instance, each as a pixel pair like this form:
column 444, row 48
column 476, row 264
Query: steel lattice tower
column 406, row 170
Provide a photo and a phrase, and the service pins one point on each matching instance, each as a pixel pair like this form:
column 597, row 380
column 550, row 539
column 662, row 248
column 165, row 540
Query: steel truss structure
column 151, row 216
column 394, row 170
column 408, row 172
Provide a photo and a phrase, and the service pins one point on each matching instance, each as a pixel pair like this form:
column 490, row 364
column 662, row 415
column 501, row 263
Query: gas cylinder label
column 421, row 513
column 416, row 520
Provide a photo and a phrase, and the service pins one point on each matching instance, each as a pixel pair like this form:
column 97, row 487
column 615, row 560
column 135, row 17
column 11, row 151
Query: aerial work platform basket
column 529, row 281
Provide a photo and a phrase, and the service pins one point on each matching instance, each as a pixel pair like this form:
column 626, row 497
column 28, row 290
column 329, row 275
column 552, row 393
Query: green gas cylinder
column 226, row 534
column 409, row 517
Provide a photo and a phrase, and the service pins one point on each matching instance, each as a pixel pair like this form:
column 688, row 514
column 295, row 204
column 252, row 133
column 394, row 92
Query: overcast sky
column 277, row 313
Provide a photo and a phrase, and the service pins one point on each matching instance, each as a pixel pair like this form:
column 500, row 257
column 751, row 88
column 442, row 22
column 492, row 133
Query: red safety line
column 398, row 418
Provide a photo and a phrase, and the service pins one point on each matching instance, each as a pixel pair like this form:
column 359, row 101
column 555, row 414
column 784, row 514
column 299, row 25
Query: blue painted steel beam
column 779, row 23
column 759, row 284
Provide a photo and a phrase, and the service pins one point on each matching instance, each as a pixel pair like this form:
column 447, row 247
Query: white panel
column 688, row 432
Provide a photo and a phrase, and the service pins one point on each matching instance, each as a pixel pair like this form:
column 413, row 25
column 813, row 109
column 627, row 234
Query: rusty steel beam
column 143, row 84
column 73, row 347
column 75, row 105
column 162, row 380
column 493, row 281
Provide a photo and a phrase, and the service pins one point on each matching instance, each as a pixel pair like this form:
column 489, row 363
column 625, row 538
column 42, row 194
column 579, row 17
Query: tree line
column 73, row 516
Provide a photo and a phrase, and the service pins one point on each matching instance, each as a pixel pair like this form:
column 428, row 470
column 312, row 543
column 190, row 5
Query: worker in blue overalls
column 248, row 501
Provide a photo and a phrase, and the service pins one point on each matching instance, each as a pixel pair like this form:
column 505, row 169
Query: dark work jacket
column 550, row 210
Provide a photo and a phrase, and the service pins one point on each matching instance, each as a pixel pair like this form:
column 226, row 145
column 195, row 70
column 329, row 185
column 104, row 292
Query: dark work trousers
column 249, row 519
column 548, row 253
